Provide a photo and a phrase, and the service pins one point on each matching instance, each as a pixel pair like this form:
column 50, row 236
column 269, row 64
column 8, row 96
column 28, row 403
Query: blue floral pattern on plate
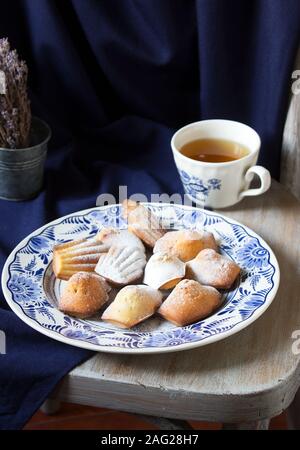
column 28, row 283
column 24, row 289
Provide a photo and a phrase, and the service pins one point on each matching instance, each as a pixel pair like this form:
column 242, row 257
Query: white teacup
column 218, row 185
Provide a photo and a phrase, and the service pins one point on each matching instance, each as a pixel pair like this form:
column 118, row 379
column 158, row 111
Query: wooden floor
column 77, row 417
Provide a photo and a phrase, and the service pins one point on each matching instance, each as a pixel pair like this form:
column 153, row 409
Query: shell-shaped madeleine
column 76, row 256
column 122, row 238
column 121, row 265
column 163, row 271
column 189, row 302
column 212, row 269
column 132, row 305
column 84, row 295
column 185, row 244
column 142, row 222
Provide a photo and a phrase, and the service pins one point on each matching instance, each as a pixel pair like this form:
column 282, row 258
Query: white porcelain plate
column 32, row 291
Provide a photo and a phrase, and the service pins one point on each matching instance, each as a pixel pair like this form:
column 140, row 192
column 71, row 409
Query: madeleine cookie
column 84, row 295
column 132, row 305
column 163, row 271
column 212, row 269
column 122, row 238
column 185, row 244
column 142, row 222
column 189, row 302
column 121, row 265
column 76, row 256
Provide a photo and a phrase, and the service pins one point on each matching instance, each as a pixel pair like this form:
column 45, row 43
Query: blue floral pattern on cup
column 30, row 264
column 197, row 188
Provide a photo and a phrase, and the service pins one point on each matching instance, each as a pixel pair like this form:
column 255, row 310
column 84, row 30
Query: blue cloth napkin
column 114, row 79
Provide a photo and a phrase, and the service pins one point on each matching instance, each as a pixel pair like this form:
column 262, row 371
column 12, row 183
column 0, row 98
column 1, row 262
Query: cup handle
column 265, row 179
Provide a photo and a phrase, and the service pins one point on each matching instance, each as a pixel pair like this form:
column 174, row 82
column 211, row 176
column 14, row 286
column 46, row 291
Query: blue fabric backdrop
column 114, row 79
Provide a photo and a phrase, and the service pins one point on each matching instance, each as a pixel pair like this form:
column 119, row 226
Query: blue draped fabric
column 114, row 79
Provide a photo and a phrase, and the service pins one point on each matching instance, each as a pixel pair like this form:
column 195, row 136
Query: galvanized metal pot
column 22, row 170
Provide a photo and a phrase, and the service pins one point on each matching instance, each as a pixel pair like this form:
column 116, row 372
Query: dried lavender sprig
column 15, row 112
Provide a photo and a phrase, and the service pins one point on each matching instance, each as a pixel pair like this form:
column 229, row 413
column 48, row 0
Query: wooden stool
column 242, row 381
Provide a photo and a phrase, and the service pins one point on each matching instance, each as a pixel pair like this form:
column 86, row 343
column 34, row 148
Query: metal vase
column 22, row 170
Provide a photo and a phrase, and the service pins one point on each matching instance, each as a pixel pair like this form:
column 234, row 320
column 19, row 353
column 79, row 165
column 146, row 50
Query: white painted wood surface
column 258, row 425
column 248, row 377
column 290, row 157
